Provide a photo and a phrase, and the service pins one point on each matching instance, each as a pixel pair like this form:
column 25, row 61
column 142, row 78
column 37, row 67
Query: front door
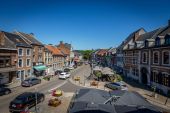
column 144, row 75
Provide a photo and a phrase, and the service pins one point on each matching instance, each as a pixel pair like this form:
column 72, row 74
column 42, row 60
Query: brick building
column 24, row 56
column 57, row 57
column 147, row 59
column 8, row 61
column 65, row 48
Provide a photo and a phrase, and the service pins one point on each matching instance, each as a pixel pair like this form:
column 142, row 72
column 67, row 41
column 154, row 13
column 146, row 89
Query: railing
column 7, row 68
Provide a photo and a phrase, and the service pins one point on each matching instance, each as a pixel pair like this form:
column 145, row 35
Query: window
column 18, row 74
column 40, row 58
column 29, row 72
column 166, row 57
column 135, row 72
column 20, row 52
column 157, row 42
column 39, row 49
column 28, row 62
column 155, row 76
column 165, row 79
column 167, row 41
column 155, row 57
column 144, row 59
column 146, row 43
column 28, row 52
column 20, row 63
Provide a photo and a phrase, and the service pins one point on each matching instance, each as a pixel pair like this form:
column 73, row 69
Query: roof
column 64, row 49
column 54, row 50
column 102, row 52
column 30, row 38
column 5, row 43
column 96, row 101
column 16, row 39
column 147, row 35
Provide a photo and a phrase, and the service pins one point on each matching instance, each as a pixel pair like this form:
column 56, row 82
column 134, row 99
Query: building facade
column 147, row 58
column 8, row 61
column 24, row 56
column 58, row 59
column 65, row 48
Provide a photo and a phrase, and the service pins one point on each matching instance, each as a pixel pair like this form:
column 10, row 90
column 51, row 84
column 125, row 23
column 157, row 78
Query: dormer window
column 157, row 41
column 167, row 40
column 146, row 43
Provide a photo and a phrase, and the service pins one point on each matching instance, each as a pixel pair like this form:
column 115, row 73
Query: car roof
column 30, row 78
column 24, row 95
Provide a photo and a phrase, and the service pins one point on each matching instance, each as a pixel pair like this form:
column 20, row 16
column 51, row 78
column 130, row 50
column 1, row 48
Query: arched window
column 166, row 57
column 155, row 57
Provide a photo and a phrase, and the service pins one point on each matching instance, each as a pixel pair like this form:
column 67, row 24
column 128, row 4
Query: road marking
column 57, row 86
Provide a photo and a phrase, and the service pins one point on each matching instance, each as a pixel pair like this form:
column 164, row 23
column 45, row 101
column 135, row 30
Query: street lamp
column 36, row 100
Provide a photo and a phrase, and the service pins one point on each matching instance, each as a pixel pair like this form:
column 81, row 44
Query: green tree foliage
column 86, row 54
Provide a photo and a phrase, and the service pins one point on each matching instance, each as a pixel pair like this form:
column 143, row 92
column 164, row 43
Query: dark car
column 66, row 70
column 116, row 86
column 25, row 101
column 31, row 81
column 58, row 72
column 4, row 91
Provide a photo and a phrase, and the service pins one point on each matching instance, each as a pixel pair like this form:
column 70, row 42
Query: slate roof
column 30, row 38
column 93, row 101
column 147, row 35
column 8, row 44
column 16, row 39
column 165, row 31
column 54, row 50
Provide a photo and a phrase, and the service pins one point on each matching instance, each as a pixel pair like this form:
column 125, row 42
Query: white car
column 64, row 75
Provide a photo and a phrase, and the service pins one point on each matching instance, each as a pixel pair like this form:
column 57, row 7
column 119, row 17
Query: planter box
column 54, row 102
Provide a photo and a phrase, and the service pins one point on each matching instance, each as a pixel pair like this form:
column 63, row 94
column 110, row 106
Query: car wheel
column 7, row 92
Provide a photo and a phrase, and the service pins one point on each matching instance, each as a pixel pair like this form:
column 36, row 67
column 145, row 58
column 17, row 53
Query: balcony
column 7, row 68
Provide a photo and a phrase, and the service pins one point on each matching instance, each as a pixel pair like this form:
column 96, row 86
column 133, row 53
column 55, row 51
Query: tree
column 86, row 54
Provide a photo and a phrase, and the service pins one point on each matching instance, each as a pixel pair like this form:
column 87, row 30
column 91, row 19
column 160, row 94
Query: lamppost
column 36, row 100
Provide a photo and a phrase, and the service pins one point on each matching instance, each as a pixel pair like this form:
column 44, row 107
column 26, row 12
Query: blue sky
column 86, row 24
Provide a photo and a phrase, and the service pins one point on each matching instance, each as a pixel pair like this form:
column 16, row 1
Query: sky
column 86, row 24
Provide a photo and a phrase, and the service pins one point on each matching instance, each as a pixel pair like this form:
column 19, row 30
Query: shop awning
column 40, row 68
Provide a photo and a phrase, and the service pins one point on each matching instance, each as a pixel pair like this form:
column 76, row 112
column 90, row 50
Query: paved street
column 44, row 87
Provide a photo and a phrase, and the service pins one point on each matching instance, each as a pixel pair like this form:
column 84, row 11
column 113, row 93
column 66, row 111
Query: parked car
column 58, row 72
column 4, row 91
column 31, row 81
column 66, row 70
column 25, row 101
column 116, row 86
column 64, row 75
column 71, row 67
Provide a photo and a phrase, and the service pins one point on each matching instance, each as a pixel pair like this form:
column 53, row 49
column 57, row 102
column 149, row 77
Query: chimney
column 61, row 42
column 32, row 34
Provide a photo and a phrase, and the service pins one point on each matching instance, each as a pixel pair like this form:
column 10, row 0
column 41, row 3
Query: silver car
column 31, row 81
